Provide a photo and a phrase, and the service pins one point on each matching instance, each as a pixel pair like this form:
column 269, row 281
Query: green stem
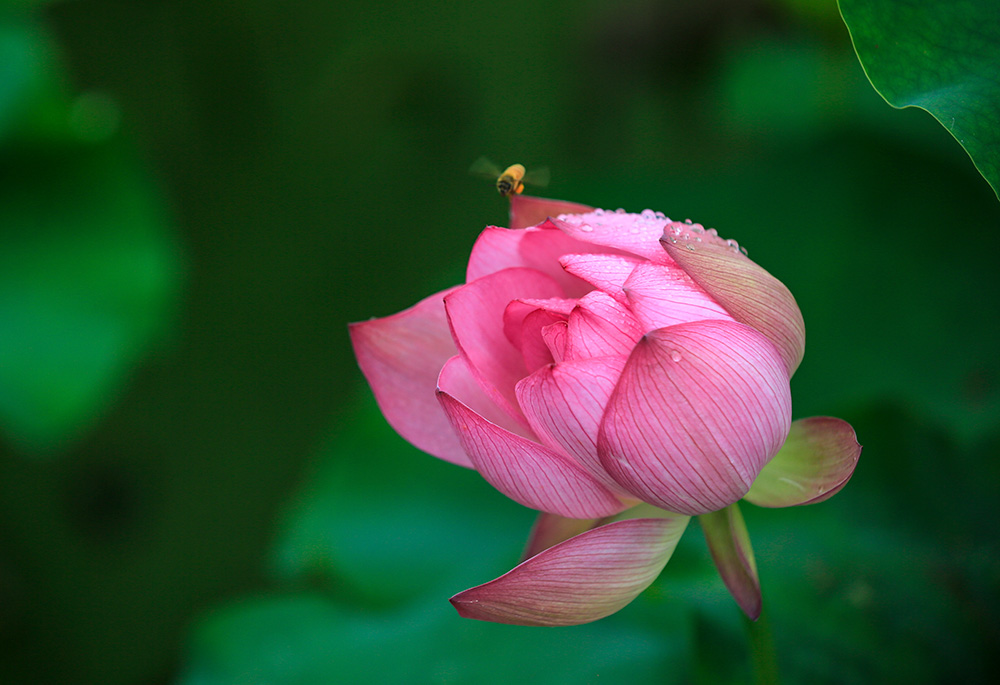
column 763, row 657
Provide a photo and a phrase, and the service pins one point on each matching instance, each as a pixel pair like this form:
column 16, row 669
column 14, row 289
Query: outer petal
column 698, row 411
column 527, row 472
column 529, row 211
column 457, row 380
column 401, row 356
column 816, row 461
column 638, row 234
column 661, row 296
column 564, row 404
column 729, row 543
column 551, row 529
column 748, row 292
column 476, row 315
column 580, row 580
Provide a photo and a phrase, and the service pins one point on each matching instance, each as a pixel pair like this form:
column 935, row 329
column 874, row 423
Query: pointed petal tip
column 815, row 463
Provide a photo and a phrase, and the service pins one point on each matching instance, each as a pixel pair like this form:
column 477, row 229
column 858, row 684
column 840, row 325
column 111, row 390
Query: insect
column 511, row 180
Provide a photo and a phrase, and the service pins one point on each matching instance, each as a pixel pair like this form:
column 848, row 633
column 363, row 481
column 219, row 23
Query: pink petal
column 564, row 404
column 607, row 272
column 534, row 348
column 816, row 461
column 698, row 411
column 638, row 234
column 529, row 211
column 527, row 472
column 601, row 326
column 457, row 380
column 497, row 249
column 551, row 529
column 729, row 543
column 661, row 296
column 748, row 292
column 580, row 580
column 475, row 313
column 555, row 337
column 401, row 356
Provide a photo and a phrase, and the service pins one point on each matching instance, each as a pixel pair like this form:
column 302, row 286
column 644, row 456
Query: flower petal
column 527, row 472
column 400, row 356
column 729, row 543
column 457, row 380
column 583, row 579
column 475, row 313
column 564, row 404
column 607, row 272
column 600, row 326
column 551, row 529
column 540, row 248
column 661, row 296
column 816, row 461
column 526, row 210
column 698, row 411
column 747, row 291
column 638, row 234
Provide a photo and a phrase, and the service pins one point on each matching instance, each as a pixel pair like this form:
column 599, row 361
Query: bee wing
column 538, row 177
column 485, row 168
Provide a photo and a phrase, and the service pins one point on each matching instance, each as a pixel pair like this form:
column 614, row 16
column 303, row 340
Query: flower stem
column 763, row 657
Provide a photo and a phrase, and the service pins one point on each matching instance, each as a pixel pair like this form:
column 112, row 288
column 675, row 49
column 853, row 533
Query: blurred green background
column 197, row 196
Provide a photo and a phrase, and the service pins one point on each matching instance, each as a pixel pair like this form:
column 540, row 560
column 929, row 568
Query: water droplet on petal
column 675, row 355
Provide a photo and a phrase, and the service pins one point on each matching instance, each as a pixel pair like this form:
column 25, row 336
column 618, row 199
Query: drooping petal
column 583, row 579
column 527, row 472
column 564, row 403
column 729, row 543
column 662, row 296
column 551, row 529
column 601, row 326
column 475, row 313
column 699, row 409
column 401, row 356
column 638, row 234
column 526, row 210
column 816, row 461
column 607, row 272
column 747, row 291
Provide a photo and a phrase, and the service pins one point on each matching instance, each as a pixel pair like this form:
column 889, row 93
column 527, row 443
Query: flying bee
column 511, row 180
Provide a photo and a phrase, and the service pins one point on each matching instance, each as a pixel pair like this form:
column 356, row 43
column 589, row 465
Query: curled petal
column 564, row 403
column 698, row 411
column 747, row 291
column 476, row 315
column 526, row 210
column 601, row 326
column 400, row 356
column 527, row 472
column 583, row 579
column 662, row 296
column 729, row 543
column 816, row 461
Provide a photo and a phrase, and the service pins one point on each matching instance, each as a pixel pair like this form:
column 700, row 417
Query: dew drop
column 689, row 246
column 675, row 355
column 688, row 222
column 586, row 228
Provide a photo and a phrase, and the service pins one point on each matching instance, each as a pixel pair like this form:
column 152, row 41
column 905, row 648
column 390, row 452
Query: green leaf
column 942, row 56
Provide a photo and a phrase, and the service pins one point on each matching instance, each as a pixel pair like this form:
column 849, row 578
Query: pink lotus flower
column 619, row 373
